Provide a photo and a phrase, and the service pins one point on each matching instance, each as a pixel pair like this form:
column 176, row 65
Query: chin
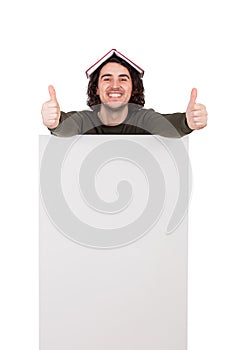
column 115, row 105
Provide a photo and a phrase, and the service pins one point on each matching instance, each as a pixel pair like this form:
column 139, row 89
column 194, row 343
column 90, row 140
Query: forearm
column 67, row 126
column 179, row 122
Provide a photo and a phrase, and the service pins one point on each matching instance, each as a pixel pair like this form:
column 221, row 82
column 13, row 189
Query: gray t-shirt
column 138, row 121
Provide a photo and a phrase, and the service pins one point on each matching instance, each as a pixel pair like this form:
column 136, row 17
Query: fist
column 196, row 113
column 51, row 110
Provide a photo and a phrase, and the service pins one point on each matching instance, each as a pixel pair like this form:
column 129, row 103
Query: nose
column 115, row 84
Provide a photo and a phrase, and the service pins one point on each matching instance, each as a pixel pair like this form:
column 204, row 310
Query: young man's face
column 114, row 85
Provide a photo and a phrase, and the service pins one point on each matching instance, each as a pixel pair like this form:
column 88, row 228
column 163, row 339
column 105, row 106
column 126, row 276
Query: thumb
column 52, row 93
column 193, row 97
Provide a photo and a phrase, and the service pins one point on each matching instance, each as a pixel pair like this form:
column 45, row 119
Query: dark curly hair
column 137, row 96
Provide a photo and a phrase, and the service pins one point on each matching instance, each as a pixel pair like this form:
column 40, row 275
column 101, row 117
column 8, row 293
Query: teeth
column 115, row 95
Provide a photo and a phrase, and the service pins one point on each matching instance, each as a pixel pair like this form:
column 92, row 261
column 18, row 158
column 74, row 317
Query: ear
column 97, row 91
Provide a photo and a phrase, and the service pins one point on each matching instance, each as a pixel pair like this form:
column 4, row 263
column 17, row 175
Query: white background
column 180, row 44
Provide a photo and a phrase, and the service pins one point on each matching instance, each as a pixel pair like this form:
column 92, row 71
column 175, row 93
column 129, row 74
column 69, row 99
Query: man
column 116, row 98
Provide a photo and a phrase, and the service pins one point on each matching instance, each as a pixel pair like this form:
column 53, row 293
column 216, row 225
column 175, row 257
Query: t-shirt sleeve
column 167, row 125
column 179, row 122
column 70, row 124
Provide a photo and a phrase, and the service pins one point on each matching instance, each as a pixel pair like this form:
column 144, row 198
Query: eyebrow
column 110, row 75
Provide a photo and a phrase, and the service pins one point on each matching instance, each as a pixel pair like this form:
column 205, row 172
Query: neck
column 113, row 116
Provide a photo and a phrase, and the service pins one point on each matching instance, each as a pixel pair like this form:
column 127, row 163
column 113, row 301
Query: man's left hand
column 196, row 113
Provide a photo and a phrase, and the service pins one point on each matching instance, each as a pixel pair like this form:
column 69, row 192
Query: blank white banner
column 113, row 242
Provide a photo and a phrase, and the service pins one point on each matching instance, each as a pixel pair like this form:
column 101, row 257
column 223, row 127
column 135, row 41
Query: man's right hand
column 51, row 110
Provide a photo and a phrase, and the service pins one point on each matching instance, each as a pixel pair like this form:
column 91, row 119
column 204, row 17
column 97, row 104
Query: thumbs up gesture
column 51, row 110
column 196, row 113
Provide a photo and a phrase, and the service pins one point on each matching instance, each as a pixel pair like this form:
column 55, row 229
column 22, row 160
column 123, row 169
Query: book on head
column 109, row 54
